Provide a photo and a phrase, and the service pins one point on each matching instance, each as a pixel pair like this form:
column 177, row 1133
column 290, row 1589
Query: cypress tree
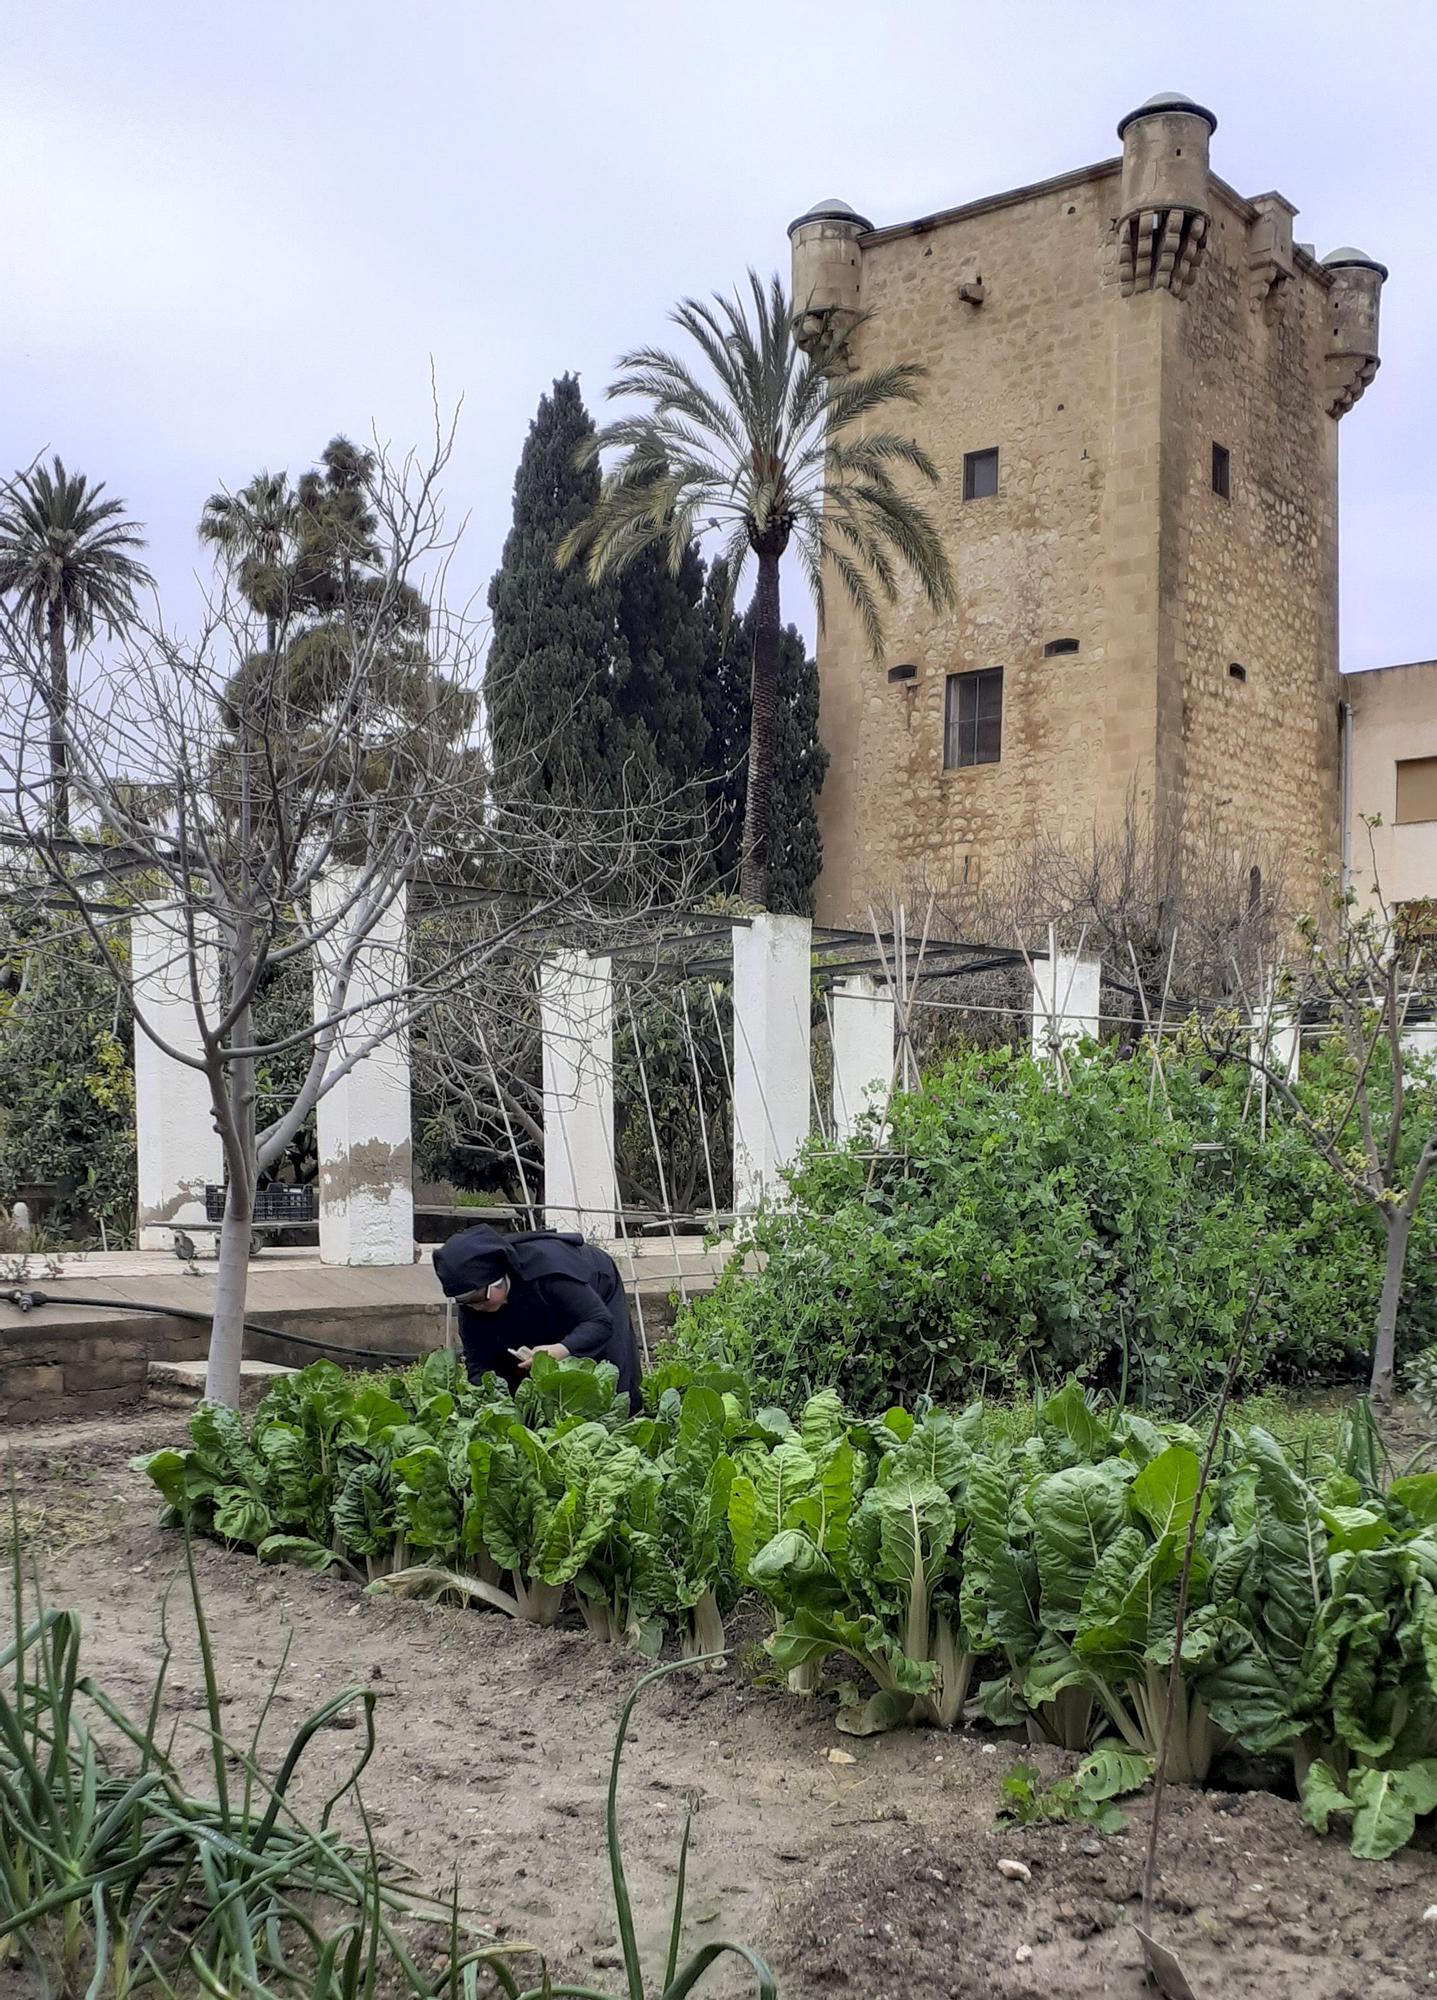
column 800, row 760
column 556, row 655
column 661, row 692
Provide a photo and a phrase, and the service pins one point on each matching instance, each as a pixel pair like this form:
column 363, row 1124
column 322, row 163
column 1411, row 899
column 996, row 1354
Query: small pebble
column 841, row 1757
column 1429, row 1915
column 1015, row 1871
column 1023, row 1955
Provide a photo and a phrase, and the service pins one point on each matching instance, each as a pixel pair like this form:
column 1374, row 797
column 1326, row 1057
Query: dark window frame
column 976, row 467
column 1221, row 471
column 973, row 718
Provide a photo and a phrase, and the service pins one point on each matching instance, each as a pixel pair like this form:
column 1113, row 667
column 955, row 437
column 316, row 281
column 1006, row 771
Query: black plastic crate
column 271, row 1204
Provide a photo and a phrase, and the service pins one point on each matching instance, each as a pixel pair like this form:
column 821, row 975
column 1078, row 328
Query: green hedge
column 1012, row 1232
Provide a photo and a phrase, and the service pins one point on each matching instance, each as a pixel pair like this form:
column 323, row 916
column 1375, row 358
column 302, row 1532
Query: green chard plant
column 957, row 1566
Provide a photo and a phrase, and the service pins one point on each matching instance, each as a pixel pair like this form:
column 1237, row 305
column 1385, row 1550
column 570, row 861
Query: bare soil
column 873, row 1879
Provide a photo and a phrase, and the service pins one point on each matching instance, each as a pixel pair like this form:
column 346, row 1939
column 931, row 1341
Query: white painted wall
column 366, row 1199
column 1394, row 717
column 576, row 1015
column 178, row 1149
column 864, row 1027
column 771, row 1051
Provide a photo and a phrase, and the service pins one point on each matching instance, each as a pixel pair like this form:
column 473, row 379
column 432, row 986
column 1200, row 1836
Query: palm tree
column 772, row 450
column 66, row 557
column 256, row 528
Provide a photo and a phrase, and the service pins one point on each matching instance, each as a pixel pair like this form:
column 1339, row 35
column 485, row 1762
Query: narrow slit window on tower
column 906, row 672
column 973, row 719
column 980, row 474
column 1237, row 671
column 1222, row 472
column 1055, row 646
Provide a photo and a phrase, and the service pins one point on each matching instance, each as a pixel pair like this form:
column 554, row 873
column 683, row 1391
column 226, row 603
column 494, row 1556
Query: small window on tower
column 973, row 719
column 1056, row 646
column 980, row 474
column 1222, row 472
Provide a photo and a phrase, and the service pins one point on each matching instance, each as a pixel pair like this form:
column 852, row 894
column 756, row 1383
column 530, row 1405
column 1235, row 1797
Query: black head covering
column 479, row 1257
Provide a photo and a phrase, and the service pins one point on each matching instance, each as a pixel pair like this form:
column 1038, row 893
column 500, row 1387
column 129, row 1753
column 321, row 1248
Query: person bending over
column 536, row 1292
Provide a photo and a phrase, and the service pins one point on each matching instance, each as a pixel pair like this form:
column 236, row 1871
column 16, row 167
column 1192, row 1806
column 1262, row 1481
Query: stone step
column 190, row 1375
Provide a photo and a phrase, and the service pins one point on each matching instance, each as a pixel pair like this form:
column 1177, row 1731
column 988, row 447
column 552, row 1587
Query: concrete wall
column 1394, row 717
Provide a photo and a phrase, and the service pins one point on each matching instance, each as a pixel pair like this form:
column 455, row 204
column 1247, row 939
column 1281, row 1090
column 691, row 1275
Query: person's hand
column 525, row 1355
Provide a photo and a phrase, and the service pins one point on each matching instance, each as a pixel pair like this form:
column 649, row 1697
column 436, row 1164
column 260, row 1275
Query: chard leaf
column 370, row 1417
column 364, row 1512
column 297, row 1549
column 1165, row 1490
column 224, row 1448
column 826, row 1510
column 1417, row 1492
column 181, row 1476
column 881, row 1712
column 998, row 1704
column 241, row 1517
column 1323, row 1798
column 1389, row 1804
column 1245, row 1698
column 822, row 1421
column 1362, row 1710
column 1293, row 1553
column 793, row 1573
column 427, row 1502
column 1355, row 1528
column 1141, row 1441
column 815, row 1635
column 1067, row 1413
column 761, row 1501
column 1000, row 1593
column 1110, row 1772
column 1077, row 1513
column 935, row 1452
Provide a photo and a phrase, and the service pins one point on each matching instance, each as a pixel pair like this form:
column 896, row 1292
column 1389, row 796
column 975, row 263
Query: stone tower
column 1134, row 381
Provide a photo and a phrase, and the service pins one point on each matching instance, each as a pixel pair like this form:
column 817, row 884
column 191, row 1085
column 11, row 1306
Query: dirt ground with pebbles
column 876, row 1879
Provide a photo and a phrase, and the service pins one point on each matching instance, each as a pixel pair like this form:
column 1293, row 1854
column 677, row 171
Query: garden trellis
column 782, row 1029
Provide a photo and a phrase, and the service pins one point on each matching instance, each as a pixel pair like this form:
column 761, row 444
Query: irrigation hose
column 27, row 1300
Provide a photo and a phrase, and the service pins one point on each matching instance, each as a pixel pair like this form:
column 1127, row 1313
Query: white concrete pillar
column 366, row 1192
column 178, row 1149
column 1066, row 1001
column 771, row 1051
column 576, row 1018
column 1277, row 1041
column 864, row 1024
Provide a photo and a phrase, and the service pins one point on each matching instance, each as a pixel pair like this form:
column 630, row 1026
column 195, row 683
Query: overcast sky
column 231, row 231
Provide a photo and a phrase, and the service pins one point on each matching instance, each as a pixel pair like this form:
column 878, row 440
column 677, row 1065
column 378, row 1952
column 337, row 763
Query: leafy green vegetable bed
column 956, row 1573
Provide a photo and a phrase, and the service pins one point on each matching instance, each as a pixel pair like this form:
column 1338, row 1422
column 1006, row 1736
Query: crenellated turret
column 1353, row 306
column 1164, row 218
column 827, row 264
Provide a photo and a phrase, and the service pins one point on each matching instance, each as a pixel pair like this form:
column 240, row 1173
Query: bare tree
column 1177, row 910
column 221, row 782
column 1378, row 1131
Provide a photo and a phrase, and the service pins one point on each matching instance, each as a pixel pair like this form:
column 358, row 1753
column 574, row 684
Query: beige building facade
column 1391, row 790
column 1134, row 380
